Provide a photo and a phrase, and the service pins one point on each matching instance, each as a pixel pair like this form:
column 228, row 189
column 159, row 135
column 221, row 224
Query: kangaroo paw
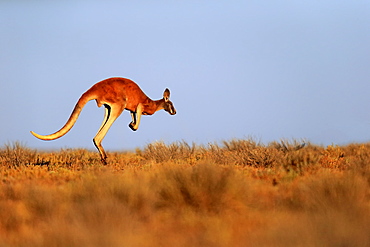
column 132, row 126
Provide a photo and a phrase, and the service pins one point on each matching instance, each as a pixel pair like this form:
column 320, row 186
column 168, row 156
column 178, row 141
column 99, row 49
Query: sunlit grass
column 235, row 193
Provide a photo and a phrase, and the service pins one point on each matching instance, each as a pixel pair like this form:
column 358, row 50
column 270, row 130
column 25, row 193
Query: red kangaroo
column 116, row 94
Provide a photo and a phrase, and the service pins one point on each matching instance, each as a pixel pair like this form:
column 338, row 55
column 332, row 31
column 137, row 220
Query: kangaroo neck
column 151, row 106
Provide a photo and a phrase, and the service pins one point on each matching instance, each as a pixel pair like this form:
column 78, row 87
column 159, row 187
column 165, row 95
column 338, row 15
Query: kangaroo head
column 167, row 105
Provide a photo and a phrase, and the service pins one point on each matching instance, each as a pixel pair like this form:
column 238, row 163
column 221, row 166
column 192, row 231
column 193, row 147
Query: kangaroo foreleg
column 136, row 117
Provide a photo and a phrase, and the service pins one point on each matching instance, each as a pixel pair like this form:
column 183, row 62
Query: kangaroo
column 116, row 94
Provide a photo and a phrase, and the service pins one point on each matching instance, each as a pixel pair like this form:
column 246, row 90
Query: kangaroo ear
column 166, row 95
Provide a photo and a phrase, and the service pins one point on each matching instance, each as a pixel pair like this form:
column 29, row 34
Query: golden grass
column 238, row 193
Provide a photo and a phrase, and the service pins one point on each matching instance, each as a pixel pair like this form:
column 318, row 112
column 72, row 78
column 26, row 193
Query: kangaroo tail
column 71, row 121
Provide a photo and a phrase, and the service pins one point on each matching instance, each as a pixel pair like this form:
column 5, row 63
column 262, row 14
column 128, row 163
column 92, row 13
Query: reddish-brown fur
column 116, row 94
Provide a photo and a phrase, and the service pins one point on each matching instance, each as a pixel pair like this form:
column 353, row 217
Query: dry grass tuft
column 237, row 193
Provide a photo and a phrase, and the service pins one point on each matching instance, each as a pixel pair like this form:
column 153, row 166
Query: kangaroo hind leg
column 106, row 116
column 112, row 112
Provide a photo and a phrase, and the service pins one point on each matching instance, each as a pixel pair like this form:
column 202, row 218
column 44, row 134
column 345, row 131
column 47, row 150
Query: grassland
column 235, row 193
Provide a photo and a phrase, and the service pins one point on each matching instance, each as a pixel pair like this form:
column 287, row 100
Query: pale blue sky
column 236, row 69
